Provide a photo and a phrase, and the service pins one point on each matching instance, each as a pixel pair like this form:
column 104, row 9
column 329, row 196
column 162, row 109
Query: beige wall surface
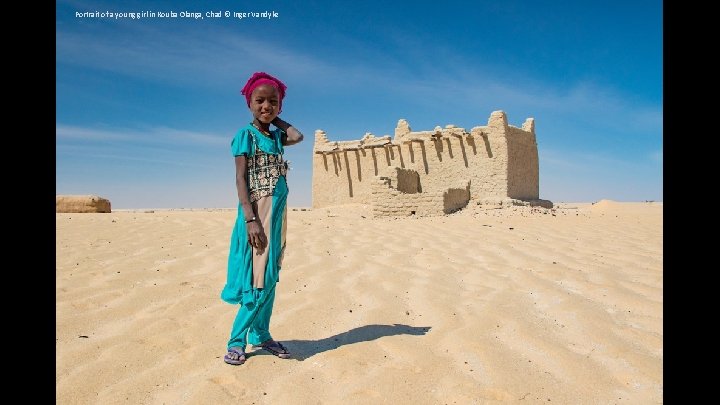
column 427, row 172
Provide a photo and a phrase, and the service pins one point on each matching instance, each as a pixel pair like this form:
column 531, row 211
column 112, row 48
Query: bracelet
column 251, row 220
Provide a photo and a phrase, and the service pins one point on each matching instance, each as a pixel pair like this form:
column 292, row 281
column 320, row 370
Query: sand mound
column 605, row 205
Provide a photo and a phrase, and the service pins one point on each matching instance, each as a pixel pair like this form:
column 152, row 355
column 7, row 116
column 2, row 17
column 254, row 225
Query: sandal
column 276, row 348
column 235, row 356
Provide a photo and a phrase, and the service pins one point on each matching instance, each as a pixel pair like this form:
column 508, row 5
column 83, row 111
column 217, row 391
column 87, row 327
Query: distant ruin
column 427, row 173
column 81, row 203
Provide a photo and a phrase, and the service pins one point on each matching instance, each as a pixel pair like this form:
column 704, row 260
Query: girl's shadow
column 304, row 349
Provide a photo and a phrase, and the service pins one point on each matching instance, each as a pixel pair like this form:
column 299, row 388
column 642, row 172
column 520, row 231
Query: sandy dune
column 481, row 306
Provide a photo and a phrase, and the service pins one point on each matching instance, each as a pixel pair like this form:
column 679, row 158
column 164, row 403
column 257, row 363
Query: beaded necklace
column 262, row 131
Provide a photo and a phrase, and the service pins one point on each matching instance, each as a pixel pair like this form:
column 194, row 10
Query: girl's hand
column 256, row 235
column 291, row 135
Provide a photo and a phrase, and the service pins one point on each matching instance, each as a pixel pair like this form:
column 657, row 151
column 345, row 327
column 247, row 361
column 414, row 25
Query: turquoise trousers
column 252, row 325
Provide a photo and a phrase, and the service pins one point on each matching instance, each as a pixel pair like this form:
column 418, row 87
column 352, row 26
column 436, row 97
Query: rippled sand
column 481, row 306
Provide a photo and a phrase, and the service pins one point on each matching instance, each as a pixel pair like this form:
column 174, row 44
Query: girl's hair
column 260, row 78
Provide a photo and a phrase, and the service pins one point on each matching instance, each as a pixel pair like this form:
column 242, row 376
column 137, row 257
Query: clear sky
column 146, row 107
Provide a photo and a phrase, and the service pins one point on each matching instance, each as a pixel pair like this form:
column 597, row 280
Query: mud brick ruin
column 428, row 173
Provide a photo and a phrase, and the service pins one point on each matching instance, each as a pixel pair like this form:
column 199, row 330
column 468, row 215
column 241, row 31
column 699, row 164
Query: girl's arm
column 292, row 135
column 256, row 235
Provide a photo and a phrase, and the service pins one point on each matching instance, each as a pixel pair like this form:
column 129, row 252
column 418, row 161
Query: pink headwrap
column 260, row 78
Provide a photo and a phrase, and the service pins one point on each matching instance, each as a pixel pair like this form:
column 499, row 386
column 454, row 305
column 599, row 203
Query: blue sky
column 146, row 107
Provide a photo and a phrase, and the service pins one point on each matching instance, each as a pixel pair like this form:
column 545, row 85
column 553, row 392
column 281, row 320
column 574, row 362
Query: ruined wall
column 490, row 179
column 428, row 172
column 394, row 193
column 523, row 164
column 387, row 200
column 343, row 176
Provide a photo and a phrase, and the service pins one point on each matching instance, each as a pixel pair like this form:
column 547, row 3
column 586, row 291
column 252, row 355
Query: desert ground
column 485, row 305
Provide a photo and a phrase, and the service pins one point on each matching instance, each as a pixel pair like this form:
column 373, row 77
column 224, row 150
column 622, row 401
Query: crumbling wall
column 342, row 171
column 523, row 165
column 389, row 200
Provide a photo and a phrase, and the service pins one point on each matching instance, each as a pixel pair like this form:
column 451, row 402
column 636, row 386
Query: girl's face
column 264, row 103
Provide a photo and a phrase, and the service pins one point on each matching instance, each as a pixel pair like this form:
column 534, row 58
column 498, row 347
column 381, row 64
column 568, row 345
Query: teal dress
column 251, row 274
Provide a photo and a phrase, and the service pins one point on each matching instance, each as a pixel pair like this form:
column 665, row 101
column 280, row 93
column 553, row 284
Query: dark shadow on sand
column 304, row 349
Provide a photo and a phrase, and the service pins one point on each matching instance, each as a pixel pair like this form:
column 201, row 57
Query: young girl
column 258, row 238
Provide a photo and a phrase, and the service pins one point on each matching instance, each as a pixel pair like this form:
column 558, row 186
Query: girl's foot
column 276, row 348
column 235, row 356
